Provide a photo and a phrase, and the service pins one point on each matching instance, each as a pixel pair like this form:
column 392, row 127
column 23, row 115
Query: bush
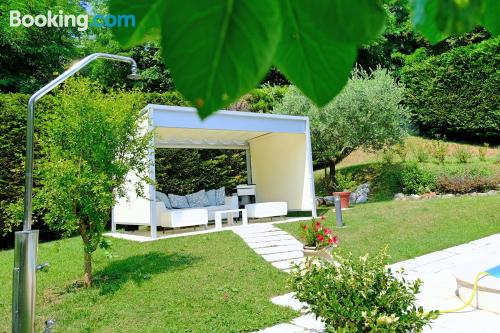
column 462, row 155
column 416, row 180
column 482, row 152
column 360, row 295
column 401, row 149
column 439, row 150
column 456, row 93
column 421, row 153
column 344, row 182
column 467, row 180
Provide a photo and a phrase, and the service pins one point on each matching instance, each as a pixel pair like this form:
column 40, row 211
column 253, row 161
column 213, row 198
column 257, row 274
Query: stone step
column 283, row 256
column 278, row 249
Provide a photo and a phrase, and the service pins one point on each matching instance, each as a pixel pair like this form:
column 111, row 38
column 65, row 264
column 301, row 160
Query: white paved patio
column 436, row 270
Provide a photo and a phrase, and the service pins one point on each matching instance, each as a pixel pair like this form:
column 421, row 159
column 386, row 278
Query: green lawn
column 414, row 228
column 205, row 283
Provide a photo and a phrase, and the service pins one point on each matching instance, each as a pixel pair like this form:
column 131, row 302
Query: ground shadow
column 139, row 268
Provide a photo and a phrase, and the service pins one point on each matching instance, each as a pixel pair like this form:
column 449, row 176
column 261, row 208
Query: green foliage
column 344, row 182
column 184, row 171
column 483, row 151
column 439, row 150
column 401, row 149
column 360, row 294
column 462, row 155
column 31, row 56
column 313, row 44
column 455, row 93
column 437, row 19
column 89, row 144
column 366, row 114
column 417, row 180
column 421, row 153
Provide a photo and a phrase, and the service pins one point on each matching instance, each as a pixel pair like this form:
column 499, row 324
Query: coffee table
column 230, row 212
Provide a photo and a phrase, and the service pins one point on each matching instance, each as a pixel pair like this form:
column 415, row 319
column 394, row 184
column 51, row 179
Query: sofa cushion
column 198, row 199
column 163, row 197
column 220, row 196
column 178, row 201
column 211, row 198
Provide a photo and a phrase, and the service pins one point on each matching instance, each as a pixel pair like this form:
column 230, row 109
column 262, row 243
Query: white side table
column 230, row 212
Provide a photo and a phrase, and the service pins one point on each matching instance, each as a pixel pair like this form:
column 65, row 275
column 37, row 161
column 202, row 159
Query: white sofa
column 266, row 209
column 186, row 217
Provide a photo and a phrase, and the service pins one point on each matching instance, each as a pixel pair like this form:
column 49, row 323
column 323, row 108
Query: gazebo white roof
column 278, row 151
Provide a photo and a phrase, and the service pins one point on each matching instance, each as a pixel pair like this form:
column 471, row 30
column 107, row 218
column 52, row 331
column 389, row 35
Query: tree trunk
column 87, row 267
column 331, row 176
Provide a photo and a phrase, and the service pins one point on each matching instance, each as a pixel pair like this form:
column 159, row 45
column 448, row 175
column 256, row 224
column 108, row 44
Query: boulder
column 399, row 196
column 362, row 199
column 414, row 197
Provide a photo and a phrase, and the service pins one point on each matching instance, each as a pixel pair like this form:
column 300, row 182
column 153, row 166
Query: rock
column 399, row 196
column 352, row 198
column 449, row 195
column 491, row 192
column 320, row 201
column 473, row 194
column 482, row 194
column 362, row 198
column 414, row 197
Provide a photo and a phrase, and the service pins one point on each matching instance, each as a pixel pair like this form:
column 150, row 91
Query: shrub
column 456, row 93
column 439, row 150
column 401, row 149
column 421, row 153
column 344, row 182
column 482, row 152
column 388, row 155
column 462, row 155
column 315, row 234
column 467, row 180
column 416, row 180
column 360, row 295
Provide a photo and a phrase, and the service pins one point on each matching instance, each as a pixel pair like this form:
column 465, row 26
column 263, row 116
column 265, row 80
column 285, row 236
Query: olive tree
column 366, row 114
column 90, row 142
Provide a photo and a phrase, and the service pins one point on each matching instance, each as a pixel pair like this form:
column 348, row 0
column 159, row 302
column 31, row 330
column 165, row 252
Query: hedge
column 456, row 93
column 177, row 170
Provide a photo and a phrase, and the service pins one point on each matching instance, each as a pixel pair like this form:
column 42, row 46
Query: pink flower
column 318, row 226
column 328, row 231
column 333, row 240
column 320, row 238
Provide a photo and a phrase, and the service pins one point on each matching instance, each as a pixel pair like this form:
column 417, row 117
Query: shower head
column 134, row 76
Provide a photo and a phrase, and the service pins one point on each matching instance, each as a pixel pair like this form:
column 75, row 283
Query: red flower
column 304, row 227
column 322, row 217
column 318, row 225
column 333, row 240
column 320, row 238
column 328, row 231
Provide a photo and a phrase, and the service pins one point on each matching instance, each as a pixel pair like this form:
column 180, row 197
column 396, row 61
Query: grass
column 204, row 283
column 413, row 228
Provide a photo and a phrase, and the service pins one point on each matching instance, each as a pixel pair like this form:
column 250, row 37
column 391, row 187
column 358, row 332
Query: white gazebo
column 278, row 156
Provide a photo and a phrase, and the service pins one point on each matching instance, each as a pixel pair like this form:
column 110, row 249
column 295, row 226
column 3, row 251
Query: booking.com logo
column 62, row 20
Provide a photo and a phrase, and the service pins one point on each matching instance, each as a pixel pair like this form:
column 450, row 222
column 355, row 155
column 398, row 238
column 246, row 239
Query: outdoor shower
column 26, row 241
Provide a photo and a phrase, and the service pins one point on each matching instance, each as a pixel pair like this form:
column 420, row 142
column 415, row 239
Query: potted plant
column 343, row 186
column 318, row 240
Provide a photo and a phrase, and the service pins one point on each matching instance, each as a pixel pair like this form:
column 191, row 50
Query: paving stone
column 283, row 256
column 290, row 301
column 258, row 245
column 278, row 249
column 309, row 322
column 264, row 234
column 287, row 264
column 270, row 238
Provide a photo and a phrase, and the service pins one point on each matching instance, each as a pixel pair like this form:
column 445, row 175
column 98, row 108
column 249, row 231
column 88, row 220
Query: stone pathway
column 435, row 269
column 276, row 246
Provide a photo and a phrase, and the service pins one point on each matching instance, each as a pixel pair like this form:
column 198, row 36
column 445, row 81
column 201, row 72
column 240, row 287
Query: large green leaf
column 147, row 20
column 319, row 43
column 219, row 50
column 438, row 19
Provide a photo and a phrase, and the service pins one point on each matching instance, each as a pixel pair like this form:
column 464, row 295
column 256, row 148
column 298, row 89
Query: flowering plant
column 316, row 235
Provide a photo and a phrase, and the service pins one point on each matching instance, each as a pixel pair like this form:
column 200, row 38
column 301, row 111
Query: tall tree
column 90, row 143
column 366, row 114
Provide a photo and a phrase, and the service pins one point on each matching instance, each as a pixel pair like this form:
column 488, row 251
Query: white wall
column 280, row 169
